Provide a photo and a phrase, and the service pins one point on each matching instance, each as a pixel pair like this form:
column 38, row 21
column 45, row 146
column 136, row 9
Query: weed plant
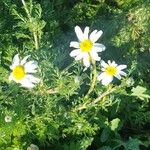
column 69, row 109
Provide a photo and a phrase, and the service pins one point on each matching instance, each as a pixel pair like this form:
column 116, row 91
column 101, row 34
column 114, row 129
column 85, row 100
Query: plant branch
column 86, row 104
column 102, row 95
column 93, row 80
column 35, row 36
column 26, row 9
column 36, row 40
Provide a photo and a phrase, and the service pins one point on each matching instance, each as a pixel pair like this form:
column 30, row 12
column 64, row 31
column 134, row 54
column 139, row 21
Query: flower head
column 110, row 70
column 21, row 71
column 8, row 118
column 86, row 48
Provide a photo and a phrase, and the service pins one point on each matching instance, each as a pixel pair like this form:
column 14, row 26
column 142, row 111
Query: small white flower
column 8, row 118
column 33, row 147
column 110, row 70
column 87, row 48
column 21, row 71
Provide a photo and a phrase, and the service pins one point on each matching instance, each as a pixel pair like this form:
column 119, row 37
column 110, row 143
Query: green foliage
column 80, row 145
column 114, row 124
column 140, row 92
column 132, row 144
column 57, row 114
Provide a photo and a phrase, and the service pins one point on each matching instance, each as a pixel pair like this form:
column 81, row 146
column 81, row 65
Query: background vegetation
column 48, row 115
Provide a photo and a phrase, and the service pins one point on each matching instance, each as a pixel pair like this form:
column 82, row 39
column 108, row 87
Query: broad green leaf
column 139, row 92
column 114, row 124
column 133, row 144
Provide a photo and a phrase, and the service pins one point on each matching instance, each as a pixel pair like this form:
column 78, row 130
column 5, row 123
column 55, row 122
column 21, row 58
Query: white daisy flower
column 110, row 70
column 21, row 71
column 87, row 48
column 8, row 118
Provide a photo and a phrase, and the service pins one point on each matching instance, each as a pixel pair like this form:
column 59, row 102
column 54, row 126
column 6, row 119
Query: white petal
column 122, row 73
column 26, row 83
column 86, row 32
column 95, row 56
column 92, row 34
column 78, row 57
column 32, row 79
column 75, row 53
column 120, row 67
column 85, row 69
column 31, row 66
column 15, row 61
column 113, row 64
column 74, row 44
column 103, row 64
column 95, row 36
column 101, row 76
column 109, row 62
column 107, row 80
column 10, row 77
column 24, row 60
column 99, row 47
column 103, row 69
column 79, row 33
column 86, row 63
column 118, row 76
column 86, row 60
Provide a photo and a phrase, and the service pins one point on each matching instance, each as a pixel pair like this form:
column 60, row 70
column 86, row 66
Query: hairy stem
column 86, row 104
column 26, row 9
column 102, row 95
column 92, row 85
column 36, row 40
column 35, row 36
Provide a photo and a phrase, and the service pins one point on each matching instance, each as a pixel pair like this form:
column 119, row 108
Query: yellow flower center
column 19, row 72
column 86, row 45
column 110, row 70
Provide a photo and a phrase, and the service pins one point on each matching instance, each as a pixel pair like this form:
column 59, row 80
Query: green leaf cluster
column 56, row 114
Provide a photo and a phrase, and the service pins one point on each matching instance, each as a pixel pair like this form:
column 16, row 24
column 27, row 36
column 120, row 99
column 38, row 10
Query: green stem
column 102, row 95
column 35, row 36
column 36, row 40
column 86, row 104
column 93, row 80
column 25, row 7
